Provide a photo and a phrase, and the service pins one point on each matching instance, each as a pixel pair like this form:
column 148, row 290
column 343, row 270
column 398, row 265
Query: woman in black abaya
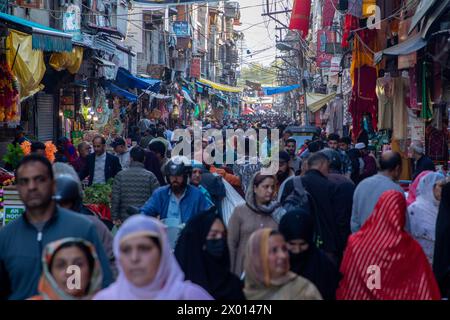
column 202, row 253
column 306, row 259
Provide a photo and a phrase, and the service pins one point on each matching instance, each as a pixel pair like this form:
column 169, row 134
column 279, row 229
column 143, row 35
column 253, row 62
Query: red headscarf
column 412, row 193
column 405, row 273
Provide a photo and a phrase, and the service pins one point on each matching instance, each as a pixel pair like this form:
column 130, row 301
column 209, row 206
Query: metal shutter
column 45, row 113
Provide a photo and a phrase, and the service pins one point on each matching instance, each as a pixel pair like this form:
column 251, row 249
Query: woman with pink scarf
column 147, row 267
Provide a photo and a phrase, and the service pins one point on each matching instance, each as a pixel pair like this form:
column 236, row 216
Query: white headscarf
column 423, row 213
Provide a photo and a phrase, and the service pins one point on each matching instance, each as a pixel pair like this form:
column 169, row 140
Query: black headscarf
column 211, row 273
column 441, row 258
column 312, row 264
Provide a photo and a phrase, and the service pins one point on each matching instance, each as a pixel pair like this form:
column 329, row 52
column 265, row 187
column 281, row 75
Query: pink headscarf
column 168, row 283
column 412, row 193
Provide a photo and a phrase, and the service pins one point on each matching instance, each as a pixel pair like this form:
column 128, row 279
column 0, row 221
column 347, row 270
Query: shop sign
column 181, row 29
column 72, row 22
column 195, row 68
column 12, row 213
column 323, row 59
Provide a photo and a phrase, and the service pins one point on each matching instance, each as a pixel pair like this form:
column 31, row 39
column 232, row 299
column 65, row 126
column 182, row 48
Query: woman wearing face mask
column 306, row 259
column 147, row 267
column 423, row 212
column 267, row 274
column 203, row 255
column 57, row 259
column 259, row 211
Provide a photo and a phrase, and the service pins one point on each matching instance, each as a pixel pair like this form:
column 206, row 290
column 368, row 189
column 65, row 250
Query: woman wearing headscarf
column 383, row 262
column 267, row 274
column 412, row 192
column 147, row 267
column 57, row 258
column 441, row 261
column 306, row 259
column 259, row 211
column 203, row 255
column 423, row 212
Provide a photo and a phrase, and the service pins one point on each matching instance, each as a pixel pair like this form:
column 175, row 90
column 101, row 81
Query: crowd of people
column 333, row 213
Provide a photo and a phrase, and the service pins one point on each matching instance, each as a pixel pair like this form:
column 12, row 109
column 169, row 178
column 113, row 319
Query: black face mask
column 216, row 247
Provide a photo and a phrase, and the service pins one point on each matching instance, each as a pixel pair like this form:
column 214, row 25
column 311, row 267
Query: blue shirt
column 173, row 211
column 193, row 203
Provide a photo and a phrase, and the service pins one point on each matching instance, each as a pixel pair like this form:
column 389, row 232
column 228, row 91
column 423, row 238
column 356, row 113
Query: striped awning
column 43, row 38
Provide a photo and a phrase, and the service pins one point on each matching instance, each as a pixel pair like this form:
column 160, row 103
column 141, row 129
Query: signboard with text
column 195, row 68
column 181, row 29
column 11, row 213
column 323, row 59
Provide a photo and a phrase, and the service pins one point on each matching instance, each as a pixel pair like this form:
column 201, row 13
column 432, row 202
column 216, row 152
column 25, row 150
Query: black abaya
column 212, row 274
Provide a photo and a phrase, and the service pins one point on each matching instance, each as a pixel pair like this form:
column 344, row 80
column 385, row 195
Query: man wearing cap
column 121, row 149
column 422, row 162
column 196, row 178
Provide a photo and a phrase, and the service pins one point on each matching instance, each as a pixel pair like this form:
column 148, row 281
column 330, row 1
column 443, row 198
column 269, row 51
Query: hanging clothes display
column 350, row 23
column 385, row 102
column 335, row 113
column 400, row 113
column 413, row 94
column 437, row 144
column 426, row 110
column 365, row 45
column 364, row 99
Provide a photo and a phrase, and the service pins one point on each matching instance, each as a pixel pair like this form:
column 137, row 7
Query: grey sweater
column 366, row 197
column 132, row 187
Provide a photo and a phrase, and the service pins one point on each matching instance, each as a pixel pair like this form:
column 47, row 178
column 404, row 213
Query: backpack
column 298, row 197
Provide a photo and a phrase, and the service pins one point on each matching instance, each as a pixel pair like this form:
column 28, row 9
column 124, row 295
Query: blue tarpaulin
column 269, row 91
column 120, row 92
column 126, row 80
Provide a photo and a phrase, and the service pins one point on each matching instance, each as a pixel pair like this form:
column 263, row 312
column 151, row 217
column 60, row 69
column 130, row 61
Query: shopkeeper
column 422, row 162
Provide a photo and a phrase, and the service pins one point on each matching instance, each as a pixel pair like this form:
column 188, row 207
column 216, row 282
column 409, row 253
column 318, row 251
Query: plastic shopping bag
column 231, row 201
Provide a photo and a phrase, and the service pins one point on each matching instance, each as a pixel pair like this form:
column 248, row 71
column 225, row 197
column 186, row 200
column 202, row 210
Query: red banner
column 300, row 16
column 196, row 68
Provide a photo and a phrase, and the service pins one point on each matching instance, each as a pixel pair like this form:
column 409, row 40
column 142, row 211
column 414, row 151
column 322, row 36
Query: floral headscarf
column 49, row 289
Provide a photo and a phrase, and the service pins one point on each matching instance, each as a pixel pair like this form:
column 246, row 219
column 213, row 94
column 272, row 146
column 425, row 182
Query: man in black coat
column 101, row 166
column 322, row 192
column 343, row 197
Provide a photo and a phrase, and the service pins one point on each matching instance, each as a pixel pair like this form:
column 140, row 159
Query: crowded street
column 225, row 150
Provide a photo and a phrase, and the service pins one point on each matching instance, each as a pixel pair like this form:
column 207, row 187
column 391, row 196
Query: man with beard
column 294, row 161
column 23, row 240
column 178, row 201
column 284, row 171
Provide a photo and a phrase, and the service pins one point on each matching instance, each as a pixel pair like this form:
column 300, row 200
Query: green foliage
column 99, row 193
column 13, row 155
column 256, row 72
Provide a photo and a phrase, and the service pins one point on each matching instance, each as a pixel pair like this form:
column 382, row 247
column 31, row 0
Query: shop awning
column 125, row 79
column 43, row 38
column 411, row 45
column 219, row 86
column 187, row 95
column 315, row 101
column 270, row 91
column 120, row 92
column 421, row 11
column 104, row 62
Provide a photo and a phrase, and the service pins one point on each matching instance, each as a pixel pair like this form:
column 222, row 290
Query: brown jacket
column 243, row 222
